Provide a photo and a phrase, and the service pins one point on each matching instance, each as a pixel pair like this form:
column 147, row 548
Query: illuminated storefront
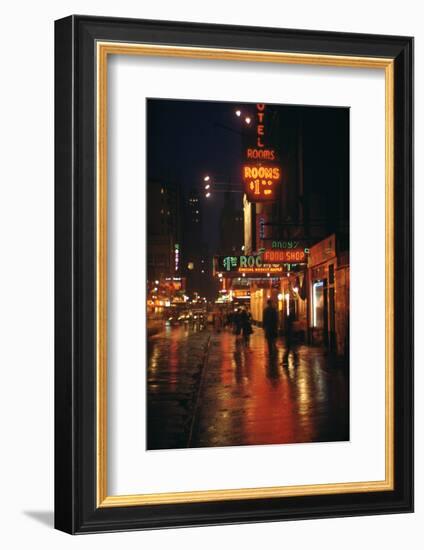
column 328, row 291
column 293, row 303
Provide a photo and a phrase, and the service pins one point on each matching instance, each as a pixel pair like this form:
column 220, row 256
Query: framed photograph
column 234, row 274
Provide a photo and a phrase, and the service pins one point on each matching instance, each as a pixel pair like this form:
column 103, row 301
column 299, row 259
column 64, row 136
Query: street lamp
column 219, row 187
column 247, row 117
column 207, row 186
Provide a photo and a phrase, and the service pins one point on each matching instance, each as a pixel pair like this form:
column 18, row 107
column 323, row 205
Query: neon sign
column 260, row 179
column 294, row 255
column 285, row 244
column 229, row 263
column 236, row 266
column 268, row 261
column 261, row 154
column 262, row 172
column 260, row 182
column 260, row 128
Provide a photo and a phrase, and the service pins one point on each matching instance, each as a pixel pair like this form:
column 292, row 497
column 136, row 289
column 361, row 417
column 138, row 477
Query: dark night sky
column 188, row 139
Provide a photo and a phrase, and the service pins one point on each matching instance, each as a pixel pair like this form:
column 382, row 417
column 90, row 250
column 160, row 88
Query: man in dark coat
column 270, row 326
column 237, row 322
column 246, row 326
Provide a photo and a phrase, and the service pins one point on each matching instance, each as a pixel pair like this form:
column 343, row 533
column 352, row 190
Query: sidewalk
column 246, row 399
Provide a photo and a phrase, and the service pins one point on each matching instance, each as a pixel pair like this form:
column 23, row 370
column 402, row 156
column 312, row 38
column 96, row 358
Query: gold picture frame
column 106, row 49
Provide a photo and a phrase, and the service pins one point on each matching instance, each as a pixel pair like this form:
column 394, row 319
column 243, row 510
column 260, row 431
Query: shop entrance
column 323, row 315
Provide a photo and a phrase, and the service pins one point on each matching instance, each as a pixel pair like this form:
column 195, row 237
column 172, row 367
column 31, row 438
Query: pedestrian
column 237, row 322
column 270, row 326
column 246, row 326
column 229, row 319
column 217, row 320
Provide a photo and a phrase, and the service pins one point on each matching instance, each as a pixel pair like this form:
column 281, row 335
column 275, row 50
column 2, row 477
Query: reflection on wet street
column 176, row 358
column 225, row 393
column 248, row 398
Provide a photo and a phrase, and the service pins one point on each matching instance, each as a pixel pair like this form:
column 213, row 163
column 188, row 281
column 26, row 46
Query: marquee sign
column 268, row 263
column 246, row 266
column 235, row 263
column 265, row 270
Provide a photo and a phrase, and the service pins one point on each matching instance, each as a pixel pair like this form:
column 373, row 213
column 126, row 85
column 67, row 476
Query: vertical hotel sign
column 261, row 176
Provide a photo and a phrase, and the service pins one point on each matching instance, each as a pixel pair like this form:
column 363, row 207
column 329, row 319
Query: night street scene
column 247, row 274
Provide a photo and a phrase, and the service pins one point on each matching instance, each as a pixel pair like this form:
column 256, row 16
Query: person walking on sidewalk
column 217, row 320
column 246, row 326
column 237, row 322
column 270, row 326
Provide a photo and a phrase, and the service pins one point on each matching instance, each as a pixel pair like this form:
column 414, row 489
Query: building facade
column 309, row 214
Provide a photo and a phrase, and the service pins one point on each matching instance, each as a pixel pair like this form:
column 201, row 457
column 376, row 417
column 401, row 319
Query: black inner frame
column 75, row 275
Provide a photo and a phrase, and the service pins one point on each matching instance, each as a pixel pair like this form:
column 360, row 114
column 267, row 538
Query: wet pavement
column 209, row 390
column 176, row 357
